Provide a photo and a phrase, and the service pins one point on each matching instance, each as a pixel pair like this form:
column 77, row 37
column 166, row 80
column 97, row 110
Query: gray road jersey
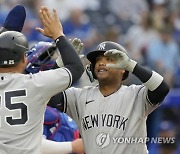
column 23, row 99
column 112, row 124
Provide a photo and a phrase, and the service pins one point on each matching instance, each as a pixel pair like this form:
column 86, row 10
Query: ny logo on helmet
column 102, row 46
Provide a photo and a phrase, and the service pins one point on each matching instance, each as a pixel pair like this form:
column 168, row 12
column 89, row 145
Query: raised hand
column 122, row 60
column 52, row 27
column 78, row 45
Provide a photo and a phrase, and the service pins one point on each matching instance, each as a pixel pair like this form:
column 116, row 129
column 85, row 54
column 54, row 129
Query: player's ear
column 24, row 59
column 125, row 75
column 123, row 71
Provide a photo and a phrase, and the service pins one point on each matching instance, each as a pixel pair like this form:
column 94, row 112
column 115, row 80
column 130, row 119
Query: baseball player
column 112, row 116
column 57, row 125
column 23, row 98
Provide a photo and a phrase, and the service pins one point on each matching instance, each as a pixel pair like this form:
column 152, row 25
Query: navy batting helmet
column 102, row 48
column 13, row 45
column 40, row 57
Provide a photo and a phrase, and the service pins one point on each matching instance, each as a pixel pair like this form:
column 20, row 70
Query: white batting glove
column 122, row 60
column 78, row 45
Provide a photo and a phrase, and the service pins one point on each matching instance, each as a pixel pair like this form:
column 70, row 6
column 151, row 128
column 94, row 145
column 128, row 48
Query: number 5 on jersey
column 12, row 106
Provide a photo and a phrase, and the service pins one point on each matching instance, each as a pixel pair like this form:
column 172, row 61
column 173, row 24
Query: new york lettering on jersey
column 104, row 120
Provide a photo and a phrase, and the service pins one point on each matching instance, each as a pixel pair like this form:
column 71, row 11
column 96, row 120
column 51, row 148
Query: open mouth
column 101, row 70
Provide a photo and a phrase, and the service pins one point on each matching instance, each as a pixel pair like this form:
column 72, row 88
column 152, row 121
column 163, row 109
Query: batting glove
column 78, row 45
column 122, row 60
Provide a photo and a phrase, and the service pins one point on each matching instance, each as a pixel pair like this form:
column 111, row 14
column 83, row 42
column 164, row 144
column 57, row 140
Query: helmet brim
column 91, row 56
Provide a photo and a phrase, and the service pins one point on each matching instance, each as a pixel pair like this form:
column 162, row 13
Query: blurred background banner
column 148, row 29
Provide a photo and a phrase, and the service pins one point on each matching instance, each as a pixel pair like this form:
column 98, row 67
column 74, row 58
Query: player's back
column 23, row 101
column 21, row 114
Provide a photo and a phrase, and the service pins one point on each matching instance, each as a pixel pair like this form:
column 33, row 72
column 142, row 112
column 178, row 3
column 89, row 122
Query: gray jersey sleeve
column 72, row 103
column 51, row 82
column 145, row 106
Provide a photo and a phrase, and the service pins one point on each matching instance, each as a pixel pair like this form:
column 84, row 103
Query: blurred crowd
column 148, row 29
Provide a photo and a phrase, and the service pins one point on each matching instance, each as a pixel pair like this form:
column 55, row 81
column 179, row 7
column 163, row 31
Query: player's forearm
column 70, row 57
column 157, row 88
column 52, row 147
column 78, row 146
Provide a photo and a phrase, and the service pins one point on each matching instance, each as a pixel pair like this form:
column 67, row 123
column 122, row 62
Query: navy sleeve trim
column 70, row 77
column 65, row 101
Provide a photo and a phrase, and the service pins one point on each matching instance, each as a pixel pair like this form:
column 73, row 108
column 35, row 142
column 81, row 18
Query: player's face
column 104, row 73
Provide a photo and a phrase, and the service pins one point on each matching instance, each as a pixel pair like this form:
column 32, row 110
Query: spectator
column 163, row 55
column 78, row 25
column 127, row 11
column 139, row 37
column 168, row 144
